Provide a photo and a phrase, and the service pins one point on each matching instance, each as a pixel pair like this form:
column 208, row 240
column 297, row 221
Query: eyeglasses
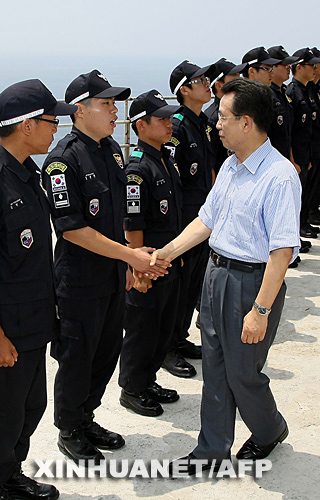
column 205, row 80
column 308, row 64
column 270, row 69
column 55, row 121
column 222, row 118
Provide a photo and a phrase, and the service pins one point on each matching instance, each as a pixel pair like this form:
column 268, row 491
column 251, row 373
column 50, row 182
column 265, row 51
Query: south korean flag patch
column 94, row 206
column 133, row 192
column 26, row 238
column 58, row 183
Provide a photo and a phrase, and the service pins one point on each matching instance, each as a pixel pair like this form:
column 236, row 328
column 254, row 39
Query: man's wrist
column 262, row 310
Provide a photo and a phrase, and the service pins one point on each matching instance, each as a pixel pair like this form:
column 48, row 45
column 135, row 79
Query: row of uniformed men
column 86, row 201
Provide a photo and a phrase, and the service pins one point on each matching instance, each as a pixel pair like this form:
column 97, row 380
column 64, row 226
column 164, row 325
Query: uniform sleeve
column 138, row 195
column 63, row 190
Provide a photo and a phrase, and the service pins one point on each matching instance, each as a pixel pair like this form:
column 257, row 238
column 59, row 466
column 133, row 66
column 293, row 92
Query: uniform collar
column 92, row 144
column 155, row 153
column 275, row 87
column 11, row 163
column 197, row 120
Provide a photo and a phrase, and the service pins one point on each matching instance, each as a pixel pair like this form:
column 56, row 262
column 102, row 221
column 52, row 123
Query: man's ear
column 79, row 112
column 26, row 126
column 141, row 125
column 247, row 123
column 184, row 90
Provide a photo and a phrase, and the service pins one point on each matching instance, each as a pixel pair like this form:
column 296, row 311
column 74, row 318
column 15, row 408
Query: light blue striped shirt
column 254, row 208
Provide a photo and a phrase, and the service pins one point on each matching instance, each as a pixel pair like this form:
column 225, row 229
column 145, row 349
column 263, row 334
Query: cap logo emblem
column 190, row 62
column 102, row 77
column 159, row 96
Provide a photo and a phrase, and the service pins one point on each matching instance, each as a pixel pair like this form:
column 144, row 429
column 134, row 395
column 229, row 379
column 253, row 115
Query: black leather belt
column 239, row 265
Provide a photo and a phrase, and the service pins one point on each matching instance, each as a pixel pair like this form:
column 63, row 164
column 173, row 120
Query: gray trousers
column 232, row 376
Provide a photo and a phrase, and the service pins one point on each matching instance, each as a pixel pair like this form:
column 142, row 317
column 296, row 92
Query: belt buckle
column 217, row 259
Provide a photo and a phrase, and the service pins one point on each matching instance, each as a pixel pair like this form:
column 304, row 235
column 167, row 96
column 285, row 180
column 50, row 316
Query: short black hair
column 146, row 118
column 213, row 88
column 7, row 130
column 253, row 99
column 86, row 102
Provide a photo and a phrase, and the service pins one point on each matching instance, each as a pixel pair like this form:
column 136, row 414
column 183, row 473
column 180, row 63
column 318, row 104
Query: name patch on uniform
column 26, row 238
column 118, row 159
column 58, row 183
column 134, row 178
column 280, row 120
column 304, row 117
column 56, row 165
column 94, row 206
column 61, row 200
column 161, row 181
column 16, row 203
column 133, row 207
column 193, row 145
column 174, row 141
column 208, row 130
column 172, row 150
column 164, row 206
column 193, row 168
column 133, row 192
column 90, row 176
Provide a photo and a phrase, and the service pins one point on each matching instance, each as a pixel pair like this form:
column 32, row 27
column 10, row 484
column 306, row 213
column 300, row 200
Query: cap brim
column 314, row 60
column 237, row 69
column 62, row 109
column 207, row 71
column 269, row 62
column 165, row 111
column 121, row 93
column 289, row 60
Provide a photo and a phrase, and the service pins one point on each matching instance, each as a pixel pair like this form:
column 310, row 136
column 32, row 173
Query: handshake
column 148, row 264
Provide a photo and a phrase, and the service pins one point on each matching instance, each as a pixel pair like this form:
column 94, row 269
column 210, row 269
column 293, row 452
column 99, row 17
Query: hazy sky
column 74, row 36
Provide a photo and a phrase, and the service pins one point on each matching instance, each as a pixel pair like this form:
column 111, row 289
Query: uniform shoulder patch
column 134, row 178
column 179, row 116
column 118, row 159
column 56, row 165
column 174, row 141
column 288, row 98
column 137, row 154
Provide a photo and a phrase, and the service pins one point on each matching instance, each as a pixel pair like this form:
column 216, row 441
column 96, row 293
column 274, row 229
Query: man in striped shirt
column 251, row 217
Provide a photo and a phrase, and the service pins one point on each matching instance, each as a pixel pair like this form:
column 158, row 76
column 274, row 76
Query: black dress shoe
column 175, row 364
column 141, row 403
column 305, row 243
column 100, row 437
column 188, row 349
column 294, row 263
column 21, row 486
column 190, row 468
column 77, row 447
column 304, row 249
column 252, row 451
column 315, row 229
column 306, row 232
column 161, row 395
column 314, row 219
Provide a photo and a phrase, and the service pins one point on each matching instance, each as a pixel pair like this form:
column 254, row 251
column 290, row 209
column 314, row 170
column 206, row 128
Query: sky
column 57, row 40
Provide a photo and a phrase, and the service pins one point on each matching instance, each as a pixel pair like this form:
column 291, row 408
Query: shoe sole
column 146, row 413
column 76, row 460
column 181, row 375
column 19, row 496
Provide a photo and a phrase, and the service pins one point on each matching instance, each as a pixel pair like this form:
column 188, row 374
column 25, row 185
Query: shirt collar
column 91, row 143
column 253, row 162
column 155, row 153
column 11, row 163
column 197, row 120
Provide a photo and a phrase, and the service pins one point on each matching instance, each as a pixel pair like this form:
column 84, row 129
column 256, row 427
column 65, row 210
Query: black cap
column 316, row 51
column 306, row 56
column 259, row 55
column 280, row 52
column 94, row 84
column 223, row 67
column 151, row 103
column 185, row 71
column 29, row 99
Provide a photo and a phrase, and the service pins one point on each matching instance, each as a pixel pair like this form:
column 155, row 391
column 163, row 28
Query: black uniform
column 314, row 97
column 221, row 153
column 27, row 305
column 154, row 202
column 192, row 149
column 301, row 139
column 281, row 127
column 86, row 187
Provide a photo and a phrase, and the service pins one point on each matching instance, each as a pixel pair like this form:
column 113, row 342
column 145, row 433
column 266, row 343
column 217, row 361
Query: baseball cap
column 259, row 55
column 223, row 67
column 306, row 55
column 316, row 51
column 94, row 84
column 185, row 72
column 151, row 103
column 29, row 99
column 279, row 52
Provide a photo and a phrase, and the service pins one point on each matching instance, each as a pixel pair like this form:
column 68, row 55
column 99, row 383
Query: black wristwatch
column 263, row 311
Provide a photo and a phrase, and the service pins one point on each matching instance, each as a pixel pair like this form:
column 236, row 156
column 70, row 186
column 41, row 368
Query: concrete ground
column 293, row 367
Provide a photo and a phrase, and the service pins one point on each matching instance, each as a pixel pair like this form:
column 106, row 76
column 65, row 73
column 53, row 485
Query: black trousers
column 315, row 184
column 23, row 400
column 87, row 351
column 306, row 184
column 149, row 325
column 232, row 370
column 192, row 273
